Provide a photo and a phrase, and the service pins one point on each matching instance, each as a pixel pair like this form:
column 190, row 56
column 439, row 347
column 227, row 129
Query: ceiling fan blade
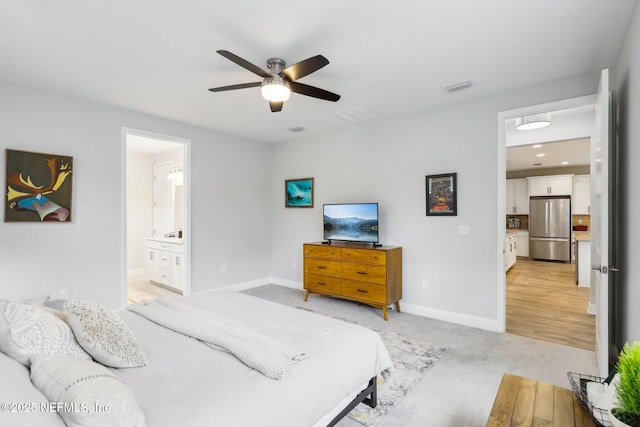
column 234, row 87
column 304, row 68
column 244, row 63
column 313, row 91
column 275, row 106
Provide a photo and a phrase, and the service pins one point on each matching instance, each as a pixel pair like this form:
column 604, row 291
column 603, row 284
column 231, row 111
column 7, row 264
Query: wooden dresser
column 367, row 275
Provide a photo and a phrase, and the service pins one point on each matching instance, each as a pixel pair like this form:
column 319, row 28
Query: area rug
column 411, row 359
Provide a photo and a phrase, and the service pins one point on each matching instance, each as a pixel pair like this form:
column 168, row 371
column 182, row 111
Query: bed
column 186, row 383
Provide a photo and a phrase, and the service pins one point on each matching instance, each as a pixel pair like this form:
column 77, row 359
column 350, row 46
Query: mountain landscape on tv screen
column 351, row 228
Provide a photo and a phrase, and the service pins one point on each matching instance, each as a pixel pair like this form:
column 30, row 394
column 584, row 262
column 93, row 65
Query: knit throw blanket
column 256, row 350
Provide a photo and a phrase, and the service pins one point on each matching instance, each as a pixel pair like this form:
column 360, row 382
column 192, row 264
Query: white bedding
column 187, row 383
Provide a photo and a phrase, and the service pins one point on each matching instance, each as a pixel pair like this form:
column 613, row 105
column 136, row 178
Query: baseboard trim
column 432, row 313
column 136, row 272
column 451, row 317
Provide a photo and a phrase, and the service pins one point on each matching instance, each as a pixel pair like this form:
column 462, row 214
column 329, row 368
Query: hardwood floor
column 543, row 302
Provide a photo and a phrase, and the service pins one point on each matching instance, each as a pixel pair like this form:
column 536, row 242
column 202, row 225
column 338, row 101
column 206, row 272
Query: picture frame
column 442, row 194
column 38, row 187
column 298, row 193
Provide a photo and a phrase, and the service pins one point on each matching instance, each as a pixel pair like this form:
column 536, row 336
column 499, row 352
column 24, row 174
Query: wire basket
column 579, row 386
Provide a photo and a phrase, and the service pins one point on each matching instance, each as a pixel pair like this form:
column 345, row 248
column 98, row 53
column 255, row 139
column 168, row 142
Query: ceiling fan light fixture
column 537, row 121
column 275, row 89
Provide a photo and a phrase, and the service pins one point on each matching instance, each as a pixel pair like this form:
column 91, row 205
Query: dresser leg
column 306, row 296
column 384, row 312
column 398, row 306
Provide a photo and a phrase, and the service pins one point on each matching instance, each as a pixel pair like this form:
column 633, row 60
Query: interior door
column 600, row 263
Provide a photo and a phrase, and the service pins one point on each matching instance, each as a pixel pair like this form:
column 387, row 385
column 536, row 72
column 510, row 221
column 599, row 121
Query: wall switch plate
column 223, row 269
column 293, row 265
column 463, row 230
column 425, row 284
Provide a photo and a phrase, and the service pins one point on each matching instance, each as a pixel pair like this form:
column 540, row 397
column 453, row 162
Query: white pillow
column 104, row 335
column 26, row 331
column 26, row 405
column 86, row 393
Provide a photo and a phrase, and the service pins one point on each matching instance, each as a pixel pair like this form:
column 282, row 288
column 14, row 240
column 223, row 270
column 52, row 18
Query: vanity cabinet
column 164, row 261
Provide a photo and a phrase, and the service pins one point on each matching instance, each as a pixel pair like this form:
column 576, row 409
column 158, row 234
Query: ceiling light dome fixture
column 275, row 89
column 536, row 121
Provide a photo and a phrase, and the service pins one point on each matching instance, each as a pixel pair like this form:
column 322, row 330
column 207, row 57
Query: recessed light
column 564, row 163
column 537, row 146
column 540, row 155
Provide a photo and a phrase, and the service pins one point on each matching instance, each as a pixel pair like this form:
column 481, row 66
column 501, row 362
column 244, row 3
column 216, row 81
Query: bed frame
column 368, row 396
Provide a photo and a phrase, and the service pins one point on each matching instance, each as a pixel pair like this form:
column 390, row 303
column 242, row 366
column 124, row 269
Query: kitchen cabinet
column 581, row 198
column 522, row 243
column 517, row 200
column 554, row 185
column 510, row 248
column 164, row 261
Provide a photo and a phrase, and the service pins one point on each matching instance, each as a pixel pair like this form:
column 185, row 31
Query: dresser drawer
column 364, row 255
column 364, row 272
column 328, row 252
column 322, row 266
column 364, row 291
column 315, row 282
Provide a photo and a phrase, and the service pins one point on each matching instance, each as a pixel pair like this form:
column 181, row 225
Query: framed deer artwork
column 38, row 187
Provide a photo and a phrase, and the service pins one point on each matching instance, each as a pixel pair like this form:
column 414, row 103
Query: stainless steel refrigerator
column 550, row 228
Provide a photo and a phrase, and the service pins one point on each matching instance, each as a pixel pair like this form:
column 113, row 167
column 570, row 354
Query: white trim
column 186, row 231
column 564, row 104
column 451, row 317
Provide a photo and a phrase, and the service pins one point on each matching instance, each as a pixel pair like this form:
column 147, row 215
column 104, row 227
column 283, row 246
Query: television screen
column 355, row 222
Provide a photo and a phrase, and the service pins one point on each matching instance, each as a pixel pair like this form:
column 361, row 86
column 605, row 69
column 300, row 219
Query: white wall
column 626, row 113
column 139, row 208
column 387, row 162
column 230, row 200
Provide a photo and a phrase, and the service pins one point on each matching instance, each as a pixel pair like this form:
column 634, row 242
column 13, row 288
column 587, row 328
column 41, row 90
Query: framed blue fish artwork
column 38, row 187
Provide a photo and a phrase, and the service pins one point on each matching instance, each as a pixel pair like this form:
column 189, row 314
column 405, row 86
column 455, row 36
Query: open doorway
column 542, row 298
column 157, row 216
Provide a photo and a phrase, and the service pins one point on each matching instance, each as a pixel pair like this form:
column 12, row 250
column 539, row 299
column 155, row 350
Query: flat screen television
column 353, row 222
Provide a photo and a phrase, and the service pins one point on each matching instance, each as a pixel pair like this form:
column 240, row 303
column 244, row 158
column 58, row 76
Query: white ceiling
column 393, row 58
column 575, row 152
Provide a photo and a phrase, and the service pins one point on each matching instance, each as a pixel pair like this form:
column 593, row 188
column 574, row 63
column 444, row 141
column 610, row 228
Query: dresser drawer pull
column 362, row 272
column 322, row 267
column 321, row 283
column 362, row 291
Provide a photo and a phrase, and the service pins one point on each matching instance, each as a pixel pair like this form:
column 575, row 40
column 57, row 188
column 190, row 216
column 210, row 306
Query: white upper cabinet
column 581, row 200
column 517, row 200
column 554, row 185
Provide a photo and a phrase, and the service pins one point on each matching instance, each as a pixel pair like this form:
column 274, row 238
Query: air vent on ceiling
column 297, row 129
column 458, row 86
column 358, row 114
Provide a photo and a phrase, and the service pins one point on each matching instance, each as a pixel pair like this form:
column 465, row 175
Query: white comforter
column 188, row 384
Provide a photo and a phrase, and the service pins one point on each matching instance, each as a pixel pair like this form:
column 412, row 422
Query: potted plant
column 628, row 388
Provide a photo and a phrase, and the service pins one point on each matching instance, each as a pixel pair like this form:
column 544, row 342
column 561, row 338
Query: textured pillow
column 88, row 394
column 27, row 331
column 104, row 335
column 23, row 403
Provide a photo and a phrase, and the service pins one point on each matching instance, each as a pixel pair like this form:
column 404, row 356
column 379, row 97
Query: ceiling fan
column 278, row 83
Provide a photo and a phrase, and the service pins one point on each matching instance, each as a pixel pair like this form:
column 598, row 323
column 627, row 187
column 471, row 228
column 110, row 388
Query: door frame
column 186, row 230
column 501, row 171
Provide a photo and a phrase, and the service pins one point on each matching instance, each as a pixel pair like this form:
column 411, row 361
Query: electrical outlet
column 463, row 230
column 425, row 284
column 293, row 265
column 223, row 269
column 64, row 295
